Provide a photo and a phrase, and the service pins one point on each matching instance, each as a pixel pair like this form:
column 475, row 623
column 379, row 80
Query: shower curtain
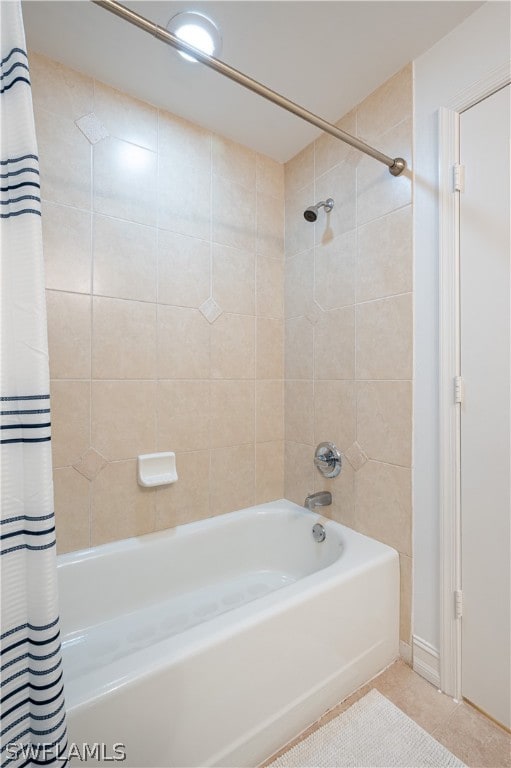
column 33, row 729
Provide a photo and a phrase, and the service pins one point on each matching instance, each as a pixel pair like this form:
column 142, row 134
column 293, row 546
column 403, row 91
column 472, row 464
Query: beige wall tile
column 232, row 478
column 125, row 117
column 184, row 270
column 123, row 418
column 405, row 614
column 184, row 191
column 334, row 264
column 269, row 471
column 183, row 415
column 269, row 176
column 120, row 507
column 232, row 419
column 183, row 142
column 270, row 226
column 64, row 160
column 387, row 106
column 269, row 348
column 234, row 279
column 59, row 89
column 269, row 411
column 298, row 471
column 335, row 413
column 188, row 499
column 385, row 338
column 69, row 334
column 340, row 183
column 183, row 344
column 136, row 340
column 299, row 233
column 385, row 256
column 384, row 420
column 233, row 347
column 299, row 171
column 184, row 194
column 329, row 151
column 125, row 181
column 72, row 518
column 233, row 161
column 363, row 253
column 90, row 464
column 384, row 504
column 334, row 344
column 299, row 354
column 378, row 192
column 269, row 287
column 70, row 421
column 299, row 411
column 233, row 214
column 67, row 248
column 124, row 259
column 123, row 339
column 299, row 284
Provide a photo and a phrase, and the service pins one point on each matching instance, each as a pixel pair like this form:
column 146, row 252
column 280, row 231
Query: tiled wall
column 149, row 220
column 349, row 321
column 143, row 224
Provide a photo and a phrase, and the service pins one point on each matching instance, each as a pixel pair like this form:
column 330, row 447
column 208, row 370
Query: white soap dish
column 157, row 469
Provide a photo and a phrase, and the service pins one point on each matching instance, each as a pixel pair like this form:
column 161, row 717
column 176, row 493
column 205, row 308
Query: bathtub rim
column 196, row 526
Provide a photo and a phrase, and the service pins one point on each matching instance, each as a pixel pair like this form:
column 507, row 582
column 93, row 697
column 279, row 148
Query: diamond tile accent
column 314, row 313
column 356, row 456
column 211, row 310
column 91, row 464
column 92, row 128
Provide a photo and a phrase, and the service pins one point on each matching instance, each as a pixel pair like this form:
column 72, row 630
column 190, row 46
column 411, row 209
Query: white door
column 485, row 416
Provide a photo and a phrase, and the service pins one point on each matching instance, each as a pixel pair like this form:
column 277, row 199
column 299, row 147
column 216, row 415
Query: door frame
column 449, row 368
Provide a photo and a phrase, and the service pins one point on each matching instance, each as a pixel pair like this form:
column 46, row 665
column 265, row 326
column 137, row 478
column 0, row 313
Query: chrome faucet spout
column 319, row 499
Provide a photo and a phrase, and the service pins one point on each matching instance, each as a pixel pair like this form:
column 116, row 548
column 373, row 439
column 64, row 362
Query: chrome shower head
column 311, row 213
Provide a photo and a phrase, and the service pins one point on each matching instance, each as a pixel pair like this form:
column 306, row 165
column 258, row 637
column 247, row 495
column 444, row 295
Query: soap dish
column 157, row 469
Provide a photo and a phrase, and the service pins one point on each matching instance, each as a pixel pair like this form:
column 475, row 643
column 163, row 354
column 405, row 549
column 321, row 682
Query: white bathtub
column 216, row 642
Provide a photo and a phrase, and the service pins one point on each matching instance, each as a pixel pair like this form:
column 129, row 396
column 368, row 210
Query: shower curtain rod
column 396, row 165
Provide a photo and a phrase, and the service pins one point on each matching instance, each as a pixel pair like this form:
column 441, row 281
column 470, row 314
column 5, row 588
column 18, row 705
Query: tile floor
column 474, row 739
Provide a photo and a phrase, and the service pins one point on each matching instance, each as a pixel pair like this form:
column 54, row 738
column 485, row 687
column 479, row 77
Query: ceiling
column 327, row 56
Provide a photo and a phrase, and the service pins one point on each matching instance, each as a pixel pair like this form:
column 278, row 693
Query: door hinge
column 458, row 389
column 459, row 177
column 458, row 603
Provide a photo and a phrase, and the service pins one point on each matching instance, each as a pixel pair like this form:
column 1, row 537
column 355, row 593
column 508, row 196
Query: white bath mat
column 372, row 733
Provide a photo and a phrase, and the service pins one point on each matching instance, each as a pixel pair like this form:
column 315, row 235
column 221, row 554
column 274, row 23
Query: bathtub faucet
column 319, row 499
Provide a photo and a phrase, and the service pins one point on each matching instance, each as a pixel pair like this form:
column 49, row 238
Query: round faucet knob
column 328, row 459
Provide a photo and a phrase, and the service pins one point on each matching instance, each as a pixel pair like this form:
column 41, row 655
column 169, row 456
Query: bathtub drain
column 318, row 532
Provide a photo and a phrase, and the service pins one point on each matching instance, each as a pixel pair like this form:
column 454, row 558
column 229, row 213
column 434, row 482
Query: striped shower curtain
column 33, row 723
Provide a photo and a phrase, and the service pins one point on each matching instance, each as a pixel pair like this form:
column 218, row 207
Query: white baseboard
column 405, row 652
column 426, row 661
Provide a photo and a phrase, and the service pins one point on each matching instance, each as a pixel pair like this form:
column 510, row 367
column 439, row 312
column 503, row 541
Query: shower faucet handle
column 328, row 459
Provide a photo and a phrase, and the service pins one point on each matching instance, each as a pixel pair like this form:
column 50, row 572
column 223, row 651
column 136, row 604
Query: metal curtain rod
column 396, row 165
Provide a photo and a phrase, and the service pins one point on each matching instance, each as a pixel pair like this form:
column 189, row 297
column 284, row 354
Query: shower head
column 311, row 213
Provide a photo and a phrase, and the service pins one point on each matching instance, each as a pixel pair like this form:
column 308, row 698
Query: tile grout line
column 447, row 720
column 256, row 262
column 92, row 264
column 355, row 399
column 211, row 266
column 156, row 416
column 314, row 286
